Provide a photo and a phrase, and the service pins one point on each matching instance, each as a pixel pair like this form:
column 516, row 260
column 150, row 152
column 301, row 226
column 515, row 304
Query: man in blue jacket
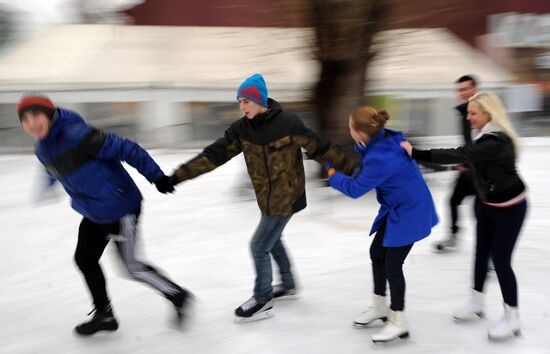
column 87, row 163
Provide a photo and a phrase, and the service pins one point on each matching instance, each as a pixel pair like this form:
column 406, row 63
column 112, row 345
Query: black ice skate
column 182, row 302
column 446, row 245
column 103, row 320
column 252, row 310
column 280, row 292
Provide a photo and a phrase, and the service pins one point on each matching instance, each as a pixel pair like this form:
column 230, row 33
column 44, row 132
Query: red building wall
column 466, row 18
column 242, row 13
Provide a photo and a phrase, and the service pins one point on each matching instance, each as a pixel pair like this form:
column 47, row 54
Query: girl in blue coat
column 407, row 213
column 87, row 163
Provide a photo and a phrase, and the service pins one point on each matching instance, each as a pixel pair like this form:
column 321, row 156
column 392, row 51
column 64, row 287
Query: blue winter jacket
column 404, row 197
column 87, row 162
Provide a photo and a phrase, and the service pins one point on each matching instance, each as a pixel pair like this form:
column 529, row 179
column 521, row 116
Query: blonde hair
column 368, row 120
column 492, row 105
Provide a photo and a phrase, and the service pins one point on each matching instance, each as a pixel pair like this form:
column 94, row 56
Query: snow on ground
column 199, row 236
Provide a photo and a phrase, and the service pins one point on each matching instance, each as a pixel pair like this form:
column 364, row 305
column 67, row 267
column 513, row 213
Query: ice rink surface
column 199, row 236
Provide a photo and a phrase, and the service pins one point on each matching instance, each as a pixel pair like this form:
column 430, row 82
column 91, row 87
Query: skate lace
column 389, row 328
column 501, row 324
column 469, row 308
column 249, row 304
column 96, row 312
column 371, row 308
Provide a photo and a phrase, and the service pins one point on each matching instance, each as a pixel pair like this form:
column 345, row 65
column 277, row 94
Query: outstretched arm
column 481, row 151
column 44, row 190
column 108, row 146
column 213, row 156
column 319, row 149
column 368, row 179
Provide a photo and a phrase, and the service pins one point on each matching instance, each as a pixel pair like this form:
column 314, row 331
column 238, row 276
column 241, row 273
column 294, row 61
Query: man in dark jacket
column 466, row 87
column 271, row 140
column 87, row 163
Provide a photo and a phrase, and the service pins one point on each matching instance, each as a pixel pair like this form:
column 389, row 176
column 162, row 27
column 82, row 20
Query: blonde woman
column 501, row 204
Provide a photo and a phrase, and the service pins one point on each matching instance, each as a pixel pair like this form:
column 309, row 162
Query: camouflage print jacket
column 271, row 143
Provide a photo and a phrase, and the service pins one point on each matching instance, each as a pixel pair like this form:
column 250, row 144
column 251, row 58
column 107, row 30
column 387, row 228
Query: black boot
column 279, row 291
column 447, row 244
column 254, row 310
column 182, row 302
column 103, row 320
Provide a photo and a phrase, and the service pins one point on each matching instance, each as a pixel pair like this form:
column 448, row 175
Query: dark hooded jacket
column 272, row 145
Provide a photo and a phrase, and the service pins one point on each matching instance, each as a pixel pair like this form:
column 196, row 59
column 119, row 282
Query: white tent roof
column 78, row 57
column 431, row 58
column 138, row 56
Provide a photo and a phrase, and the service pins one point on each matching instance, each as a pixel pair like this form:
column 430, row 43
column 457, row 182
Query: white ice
column 199, row 237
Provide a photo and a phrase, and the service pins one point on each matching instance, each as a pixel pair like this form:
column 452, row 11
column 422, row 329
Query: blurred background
column 164, row 73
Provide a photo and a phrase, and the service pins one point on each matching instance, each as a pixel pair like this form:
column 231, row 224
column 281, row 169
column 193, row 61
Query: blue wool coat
column 404, row 197
column 87, row 163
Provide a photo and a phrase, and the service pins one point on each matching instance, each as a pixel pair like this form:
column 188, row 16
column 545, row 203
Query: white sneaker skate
column 471, row 310
column 378, row 310
column 507, row 326
column 396, row 327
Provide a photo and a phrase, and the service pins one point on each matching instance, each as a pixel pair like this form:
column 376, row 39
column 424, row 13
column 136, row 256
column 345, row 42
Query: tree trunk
column 344, row 30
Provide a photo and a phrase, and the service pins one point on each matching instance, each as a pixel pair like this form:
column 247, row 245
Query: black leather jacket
column 493, row 159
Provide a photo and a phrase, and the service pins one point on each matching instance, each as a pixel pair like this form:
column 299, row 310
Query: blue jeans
column 266, row 240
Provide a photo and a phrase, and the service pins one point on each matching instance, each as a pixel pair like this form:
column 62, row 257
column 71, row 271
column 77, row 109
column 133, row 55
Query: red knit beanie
column 35, row 103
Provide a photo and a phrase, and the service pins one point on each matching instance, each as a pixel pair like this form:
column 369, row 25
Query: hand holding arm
column 165, row 184
column 213, row 156
column 330, row 169
column 407, row 147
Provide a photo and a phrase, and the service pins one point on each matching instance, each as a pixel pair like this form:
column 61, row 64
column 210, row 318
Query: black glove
column 356, row 172
column 165, row 184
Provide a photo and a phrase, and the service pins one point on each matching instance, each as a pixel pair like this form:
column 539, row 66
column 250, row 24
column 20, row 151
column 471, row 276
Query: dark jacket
column 271, row 143
column 405, row 200
column 494, row 165
column 466, row 128
column 86, row 162
column 467, row 135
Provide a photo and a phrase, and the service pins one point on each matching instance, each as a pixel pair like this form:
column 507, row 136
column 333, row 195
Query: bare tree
column 6, row 25
column 104, row 11
column 344, row 33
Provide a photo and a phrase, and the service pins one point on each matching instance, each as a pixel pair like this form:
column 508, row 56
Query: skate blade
column 379, row 322
column 289, row 297
column 258, row 317
column 107, row 331
column 516, row 333
column 445, row 249
column 474, row 317
column 381, row 342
